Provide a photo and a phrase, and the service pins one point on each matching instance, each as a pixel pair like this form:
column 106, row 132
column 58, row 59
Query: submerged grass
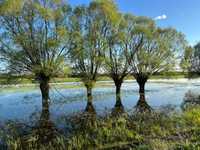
column 142, row 131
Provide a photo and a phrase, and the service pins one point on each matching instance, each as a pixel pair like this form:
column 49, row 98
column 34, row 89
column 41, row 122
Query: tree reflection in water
column 190, row 99
column 118, row 108
column 44, row 131
column 142, row 105
column 90, row 107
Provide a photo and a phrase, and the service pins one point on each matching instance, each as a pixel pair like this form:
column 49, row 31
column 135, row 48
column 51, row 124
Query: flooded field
column 25, row 105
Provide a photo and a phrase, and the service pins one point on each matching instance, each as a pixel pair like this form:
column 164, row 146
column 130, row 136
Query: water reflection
column 90, row 107
column 21, row 105
column 45, row 130
column 142, row 105
column 119, row 107
column 190, row 99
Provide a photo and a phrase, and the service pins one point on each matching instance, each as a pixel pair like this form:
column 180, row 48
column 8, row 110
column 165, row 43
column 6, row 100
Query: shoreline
column 78, row 83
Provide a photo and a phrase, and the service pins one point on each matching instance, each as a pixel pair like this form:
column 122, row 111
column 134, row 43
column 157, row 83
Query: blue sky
column 184, row 15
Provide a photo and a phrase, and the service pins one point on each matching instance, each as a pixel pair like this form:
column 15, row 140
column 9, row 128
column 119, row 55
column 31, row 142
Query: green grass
column 29, row 79
column 26, row 87
column 28, row 84
column 146, row 131
column 25, row 80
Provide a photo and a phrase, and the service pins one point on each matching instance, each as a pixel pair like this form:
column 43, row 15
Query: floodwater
column 26, row 106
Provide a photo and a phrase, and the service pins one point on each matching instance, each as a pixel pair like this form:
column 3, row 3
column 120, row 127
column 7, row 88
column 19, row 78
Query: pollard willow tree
column 157, row 52
column 124, row 41
column 33, row 38
column 88, row 33
column 121, row 39
column 193, row 60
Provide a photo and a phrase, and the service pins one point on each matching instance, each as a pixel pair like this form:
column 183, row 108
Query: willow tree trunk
column 89, row 107
column 46, row 129
column 45, row 115
column 44, row 88
column 142, row 92
column 142, row 104
column 119, row 108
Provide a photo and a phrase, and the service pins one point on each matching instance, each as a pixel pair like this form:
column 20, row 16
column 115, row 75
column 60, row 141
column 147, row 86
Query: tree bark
column 44, row 88
column 45, row 115
column 89, row 108
column 142, row 87
column 141, row 80
column 45, row 129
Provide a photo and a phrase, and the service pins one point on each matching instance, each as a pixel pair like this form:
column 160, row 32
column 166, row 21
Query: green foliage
column 194, row 59
column 10, row 7
column 34, row 38
column 157, row 51
column 38, row 34
column 46, row 13
column 88, row 33
column 186, row 59
column 108, row 9
column 107, row 134
column 192, row 117
column 116, row 62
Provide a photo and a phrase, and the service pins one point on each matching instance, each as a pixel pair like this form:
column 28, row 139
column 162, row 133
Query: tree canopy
column 88, row 31
column 157, row 51
column 33, row 36
column 193, row 59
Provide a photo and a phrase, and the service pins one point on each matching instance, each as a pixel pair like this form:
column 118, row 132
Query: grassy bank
column 154, row 131
column 4, row 79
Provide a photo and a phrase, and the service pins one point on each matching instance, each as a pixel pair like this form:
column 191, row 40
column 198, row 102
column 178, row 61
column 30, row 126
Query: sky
column 184, row 15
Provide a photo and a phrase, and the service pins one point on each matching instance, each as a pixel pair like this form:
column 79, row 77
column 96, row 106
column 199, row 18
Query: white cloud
column 162, row 17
